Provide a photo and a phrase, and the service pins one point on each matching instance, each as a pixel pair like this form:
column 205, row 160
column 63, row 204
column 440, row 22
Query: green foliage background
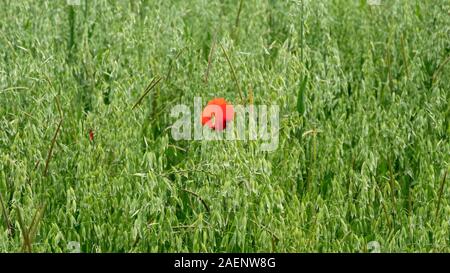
column 362, row 156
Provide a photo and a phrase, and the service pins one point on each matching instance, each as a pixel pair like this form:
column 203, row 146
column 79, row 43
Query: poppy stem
column 301, row 33
column 441, row 190
column 210, row 57
column 236, row 24
column 26, row 246
column 52, row 145
column 438, row 70
column 5, row 216
column 152, row 84
column 199, row 197
column 169, row 71
column 233, row 72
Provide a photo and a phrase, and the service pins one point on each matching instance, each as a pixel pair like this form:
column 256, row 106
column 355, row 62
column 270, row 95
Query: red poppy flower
column 217, row 113
column 91, row 135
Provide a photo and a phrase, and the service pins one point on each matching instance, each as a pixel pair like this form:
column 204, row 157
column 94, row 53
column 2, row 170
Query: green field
column 363, row 152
